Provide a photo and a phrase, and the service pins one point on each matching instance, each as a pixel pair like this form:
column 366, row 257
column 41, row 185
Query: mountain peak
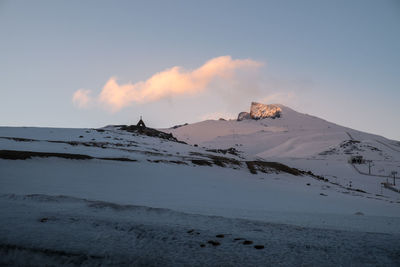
column 261, row 111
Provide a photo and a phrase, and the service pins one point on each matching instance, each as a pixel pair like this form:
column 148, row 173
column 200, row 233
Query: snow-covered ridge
column 293, row 134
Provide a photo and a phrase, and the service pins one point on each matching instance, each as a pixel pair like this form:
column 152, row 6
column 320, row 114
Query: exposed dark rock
column 231, row 150
column 270, row 167
column 23, row 155
column 243, row 116
column 178, row 126
column 214, row 243
column 201, row 162
column 149, row 132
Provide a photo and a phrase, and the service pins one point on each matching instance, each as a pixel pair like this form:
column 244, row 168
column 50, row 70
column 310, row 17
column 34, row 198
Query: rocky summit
column 261, row 111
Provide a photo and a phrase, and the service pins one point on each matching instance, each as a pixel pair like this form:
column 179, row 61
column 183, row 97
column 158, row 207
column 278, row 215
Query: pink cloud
column 170, row 82
column 81, row 98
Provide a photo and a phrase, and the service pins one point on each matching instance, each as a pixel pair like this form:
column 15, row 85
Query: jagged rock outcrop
column 149, row 132
column 243, row 116
column 261, row 111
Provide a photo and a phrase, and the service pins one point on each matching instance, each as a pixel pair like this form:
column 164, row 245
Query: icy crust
column 262, row 111
column 73, row 231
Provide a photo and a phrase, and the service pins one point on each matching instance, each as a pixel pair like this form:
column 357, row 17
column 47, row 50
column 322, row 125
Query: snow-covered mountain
column 290, row 134
column 302, row 141
column 132, row 195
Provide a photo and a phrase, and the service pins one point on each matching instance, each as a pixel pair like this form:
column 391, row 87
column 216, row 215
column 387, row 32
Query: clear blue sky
column 338, row 60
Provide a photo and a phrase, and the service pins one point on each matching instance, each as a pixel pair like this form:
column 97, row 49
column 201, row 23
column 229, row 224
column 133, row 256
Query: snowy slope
column 141, row 170
column 306, row 142
column 292, row 135
column 108, row 196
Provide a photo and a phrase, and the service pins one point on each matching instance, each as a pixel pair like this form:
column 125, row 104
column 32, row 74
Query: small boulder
column 214, row 243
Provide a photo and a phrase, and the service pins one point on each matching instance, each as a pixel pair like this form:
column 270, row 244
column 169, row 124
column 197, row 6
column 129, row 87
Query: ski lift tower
column 370, row 164
column 393, row 173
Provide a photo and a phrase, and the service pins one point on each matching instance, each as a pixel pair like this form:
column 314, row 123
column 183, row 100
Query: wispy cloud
column 170, row 82
column 82, row 98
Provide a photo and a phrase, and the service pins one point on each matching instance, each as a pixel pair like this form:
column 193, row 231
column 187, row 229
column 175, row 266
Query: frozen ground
column 65, row 230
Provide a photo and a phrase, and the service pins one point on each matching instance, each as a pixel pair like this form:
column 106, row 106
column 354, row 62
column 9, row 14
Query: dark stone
column 214, row 243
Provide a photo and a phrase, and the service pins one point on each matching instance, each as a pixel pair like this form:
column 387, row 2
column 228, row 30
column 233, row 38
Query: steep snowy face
column 261, row 111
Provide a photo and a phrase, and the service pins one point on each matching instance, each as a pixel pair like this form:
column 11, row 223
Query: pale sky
column 94, row 63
